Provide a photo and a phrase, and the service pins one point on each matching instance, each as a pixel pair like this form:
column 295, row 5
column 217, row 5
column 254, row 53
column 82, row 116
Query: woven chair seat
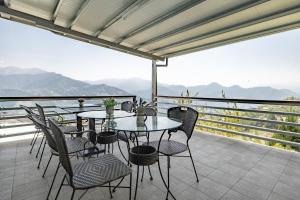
column 99, row 171
column 168, row 147
column 122, row 136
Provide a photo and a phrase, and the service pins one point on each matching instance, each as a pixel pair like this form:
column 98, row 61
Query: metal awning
column 157, row 29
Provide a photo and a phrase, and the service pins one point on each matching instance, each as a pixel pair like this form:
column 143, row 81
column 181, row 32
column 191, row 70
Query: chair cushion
column 168, row 147
column 98, row 171
column 122, row 136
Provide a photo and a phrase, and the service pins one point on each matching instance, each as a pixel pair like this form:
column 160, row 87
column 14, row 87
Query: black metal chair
column 66, row 129
column 127, row 106
column 30, row 112
column 170, row 148
column 96, row 172
column 74, row 146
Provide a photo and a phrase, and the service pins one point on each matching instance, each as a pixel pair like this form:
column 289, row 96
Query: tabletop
column 153, row 123
column 104, row 115
column 82, row 109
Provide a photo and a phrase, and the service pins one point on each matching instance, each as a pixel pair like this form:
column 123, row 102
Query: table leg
column 92, row 126
column 79, row 125
column 160, row 172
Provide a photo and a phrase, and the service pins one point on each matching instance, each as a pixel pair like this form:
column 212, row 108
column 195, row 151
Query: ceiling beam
column 79, row 12
column 201, row 22
column 228, row 29
column 56, row 10
column 114, row 19
column 160, row 19
column 67, row 32
column 254, row 35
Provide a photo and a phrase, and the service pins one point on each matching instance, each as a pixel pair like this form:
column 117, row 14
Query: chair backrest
column 188, row 116
column 27, row 109
column 150, row 111
column 41, row 113
column 46, row 130
column 62, row 148
column 127, row 106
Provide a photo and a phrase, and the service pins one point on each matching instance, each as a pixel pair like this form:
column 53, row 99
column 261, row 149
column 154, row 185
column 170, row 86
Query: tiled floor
column 227, row 168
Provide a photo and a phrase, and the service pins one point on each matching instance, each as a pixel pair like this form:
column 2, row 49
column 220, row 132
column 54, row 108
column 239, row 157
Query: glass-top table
column 102, row 115
column 157, row 124
column 152, row 123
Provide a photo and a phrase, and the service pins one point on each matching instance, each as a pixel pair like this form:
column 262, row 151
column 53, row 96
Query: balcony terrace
column 228, row 168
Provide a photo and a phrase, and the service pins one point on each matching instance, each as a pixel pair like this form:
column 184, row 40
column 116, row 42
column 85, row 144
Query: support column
column 154, row 80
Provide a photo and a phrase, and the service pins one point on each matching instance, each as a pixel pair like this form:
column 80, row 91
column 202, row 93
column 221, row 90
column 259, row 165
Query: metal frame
column 67, row 32
column 236, row 39
column 200, row 23
column 154, row 80
column 79, row 12
column 56, row 10
column 162, row 18
column 229, row 29
column 120, row 15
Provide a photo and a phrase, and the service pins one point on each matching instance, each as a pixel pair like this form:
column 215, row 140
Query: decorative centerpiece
column 80, row 101
column 141, row 116
column 109, row 105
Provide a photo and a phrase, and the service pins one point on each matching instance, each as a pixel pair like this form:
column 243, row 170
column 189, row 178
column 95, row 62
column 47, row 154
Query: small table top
column 103, row 115
column 153, row 123
column 82, row 109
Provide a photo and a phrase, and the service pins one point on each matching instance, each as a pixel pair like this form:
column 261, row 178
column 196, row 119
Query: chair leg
column 47, row 165
column 193, row 164
column 73, row 193
column 122, row 152
column 37, row 153
column 53, row 181
column 35, row 138
column 143, row 174
column 130, row 186
column 151, row 177
column 110, row 193
column 61, row 184
column 41, row 157
column 137, row 181
column 168, row 169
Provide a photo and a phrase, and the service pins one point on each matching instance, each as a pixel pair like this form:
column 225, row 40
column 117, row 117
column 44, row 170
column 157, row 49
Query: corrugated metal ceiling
column 157, row 29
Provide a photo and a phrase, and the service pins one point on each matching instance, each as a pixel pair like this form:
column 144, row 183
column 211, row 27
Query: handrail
column 47, row 98
column 230, row 100
column 10, row 114
column 250, row 121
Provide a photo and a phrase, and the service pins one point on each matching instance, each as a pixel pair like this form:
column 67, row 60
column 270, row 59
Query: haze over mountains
column 30, row 82
column 35, row 82
column 142, row 88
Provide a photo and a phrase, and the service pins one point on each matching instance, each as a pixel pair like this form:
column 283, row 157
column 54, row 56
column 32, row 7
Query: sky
column 268, row 61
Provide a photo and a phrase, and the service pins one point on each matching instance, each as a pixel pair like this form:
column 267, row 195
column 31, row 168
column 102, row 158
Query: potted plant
column 109, row 105
column 80, row 101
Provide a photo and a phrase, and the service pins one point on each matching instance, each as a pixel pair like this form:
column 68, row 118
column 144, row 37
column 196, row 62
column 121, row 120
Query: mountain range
column 142, row 88
column 34, row 82
column 17, row 81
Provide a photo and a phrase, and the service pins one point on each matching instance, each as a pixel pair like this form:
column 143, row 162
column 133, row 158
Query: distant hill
column 142, row 88
column 27, row 82
column 49, row 84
